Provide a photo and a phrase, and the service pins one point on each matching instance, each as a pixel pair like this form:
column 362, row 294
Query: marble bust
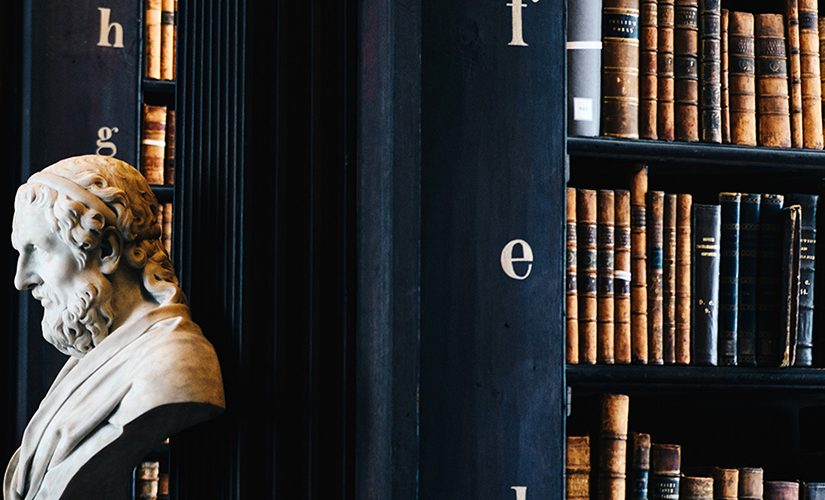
column 139, row 370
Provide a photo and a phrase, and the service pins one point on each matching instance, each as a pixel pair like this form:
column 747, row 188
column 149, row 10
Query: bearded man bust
column 140, row 370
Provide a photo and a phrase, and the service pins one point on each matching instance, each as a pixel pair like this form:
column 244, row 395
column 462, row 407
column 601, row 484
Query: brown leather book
column 638, row 267
column 604, row 284
column 169, row 154
column 683, row 273
column 665, row 468
column 613, row 446
column 794, row 70
column 750, row 483
column 160, row 223
column 153, row 38
column 811, row 85
column 669, row 281
column 686, row 69
column 153, row 143
column 655, row 239
column 639, row 465
column 587, row 274
column 742, row 79
column 781, row 490
column 175, row 44
column 772, row 81
column 167, row 227
column 621, row 277
column 725, row 100
column 696, row 488
column 821, row 25
column 578, row 468
column 572, row 302
column 710, row 80
column 163, row 486
column 620, row 68
column 664, row 67
column 167, row 43
column 725, row 483
column 647, row 69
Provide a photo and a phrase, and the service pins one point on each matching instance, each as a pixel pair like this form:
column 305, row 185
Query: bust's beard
column 79, row 325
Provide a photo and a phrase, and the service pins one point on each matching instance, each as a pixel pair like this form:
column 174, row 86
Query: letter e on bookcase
column 108, row 29
column 508, row 258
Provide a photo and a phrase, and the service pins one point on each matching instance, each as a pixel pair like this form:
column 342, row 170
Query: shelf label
column 517, row 40
column 521, row 492
column 105, row 147
column 106, row 27
column 508, row 259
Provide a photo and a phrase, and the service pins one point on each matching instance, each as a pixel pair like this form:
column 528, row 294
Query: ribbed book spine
column 807, row 272
column 781, row 490
column 729, row 279
column 153, row 143
column 686, row 70
column 768, row 319
column 742, row 79
column 669, row 281
column 813, row 491
column 707, row 227
column 167, row 44
column 578, row 468
column 613, row 447
column 647, row 69
column 811, row 85
column 665, row 469
column 621, row 277
column 821, row 25
column 587, row 274
column 750, row 483
column 725, row 484
column 584, row 66
column 791, row 235
column 696, row 488
column 640, row 465
column 152, row 50
column 684, row 251
column 664, row 67
column 655, row 261
column 605, row 238
column 711, row 70
column 571, row 286
column 795, row 72
column 638, row 252
column 620, row 68
column 772, row 81
column 725, row 100
column 748, row 272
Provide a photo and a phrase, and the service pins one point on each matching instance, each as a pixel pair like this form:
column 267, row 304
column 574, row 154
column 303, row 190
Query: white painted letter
column 518, row 38
column 104, row 134
column 507, row 259
column 521, row 492
column 106, row 30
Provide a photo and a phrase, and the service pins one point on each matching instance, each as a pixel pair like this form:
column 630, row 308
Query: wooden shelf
column 164, row 194
column 159, row 86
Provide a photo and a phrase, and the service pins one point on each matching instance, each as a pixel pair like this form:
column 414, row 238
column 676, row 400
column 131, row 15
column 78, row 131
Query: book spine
column 781, row 490
column 813, row 491
column 742, row 79
column 664, row 117
column 811, row 85
column 725, row 99
column 751, row 485
column 621, row 277
column 696, row 488
column 794, row 68
column 175, row 43
column 169, row 154
column 683, row 274
column 706, row 223
column 729, row 278
column 772, row 81
column 613, row 446
column 665, row 468
column 620, row 68
column 146, row 486
column 578, row 468
column 167, row 227
column 584, row 65
column 711, row 70
column 572, row 301
column 167, row 44
column 807, row 272
column 647, row 69
column 686, row 70
column 725, row 484
column 152, row 51
column 791, row 234
column 638, row 249
column 640, row 466
column 748, row 272
column 605, row 310
column 163, row 486
column 768, row 318
column 669, row 281
column 153, row 143
column 587, row 274
column 655, row 258
column 821, row 26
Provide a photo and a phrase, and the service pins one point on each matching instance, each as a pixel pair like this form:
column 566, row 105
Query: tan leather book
column 621, row 277
column 683, row 274
column 604, row 286
column 669, row 282
column 167, row 43
column 152, row 49
column 167, row 227
column 169, row 153
column 620, row 68
column 578, row 468
column 648, row 43
column 794, row 71
column 821, row 25
column 750, row 483
column 587, row 274
column 811, row 84
column 725, row 100
column 613, row 446
column 655, row 261
column 696, row 488
column 686, row 69
column 638, row 266
column 742, row 79
column 572, row 351
column 725, row 483
column 665, row 469
column 781, row 490
column 772, row 81
column 664, row 66
column 710, row 82
column 153, row 143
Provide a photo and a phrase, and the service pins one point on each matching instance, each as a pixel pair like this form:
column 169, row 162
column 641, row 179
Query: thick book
column 684, row 252
column 577, row 470
column 665, row 470
column 604, row 282
column 781, row 490
column 612, row 472
column 639, row 466
column 696, row 488
column 655, row 261
column 572, row 349
column 725, row 483
column 620, row 68
column 638, row 269
column 751, row 485
column 587, row 274
column 809, row 65
column 664, row 67
column 725, row 98
column 648, row 42
column 169, row 153
column 768, row 318
column 807, row 273
column 729, row 279
column 742, row 79
column 621, row 277
column 584, row 66
column 686, row 70
column 813, row 491
column 669, row 281
column 153, row 143
column 789, row 283
column 710, row 78
column 167, row 43
column 794, row 71
column 772, row 81
column 706, row 239
column 167, row 227
column 748, row 273
column 152, row 49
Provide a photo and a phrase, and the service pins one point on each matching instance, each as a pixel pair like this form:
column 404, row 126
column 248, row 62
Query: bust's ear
column 111, row 248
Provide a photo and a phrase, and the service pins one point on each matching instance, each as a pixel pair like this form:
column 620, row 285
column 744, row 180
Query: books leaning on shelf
column 157, row 145
column 160, row 39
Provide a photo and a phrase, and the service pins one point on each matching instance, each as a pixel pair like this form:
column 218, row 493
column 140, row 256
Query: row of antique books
column 656, row 278
column 688, row 70
column 631, row 466
column 165, row 223
column 157, row 144
column 150, row 482
column 160, row 39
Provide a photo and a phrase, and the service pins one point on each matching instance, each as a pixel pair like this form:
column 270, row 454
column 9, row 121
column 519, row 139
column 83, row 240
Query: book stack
column 157, row 144
column 160, row 39
column 146, row 484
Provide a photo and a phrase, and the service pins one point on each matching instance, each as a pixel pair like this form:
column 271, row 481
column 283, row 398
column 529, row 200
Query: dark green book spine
column 729, row 278
column 707, row 222
column 748, row 269
column 807, row 265
column 768, row 317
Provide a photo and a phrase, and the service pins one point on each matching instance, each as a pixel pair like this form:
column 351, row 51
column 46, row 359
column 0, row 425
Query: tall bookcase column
column 493, row 118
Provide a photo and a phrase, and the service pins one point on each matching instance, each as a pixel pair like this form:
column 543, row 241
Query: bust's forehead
column 28, row 225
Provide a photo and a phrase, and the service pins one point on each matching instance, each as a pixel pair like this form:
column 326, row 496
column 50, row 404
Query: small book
column 791, row 236
column 684, row 252
column 795, row 71
column 571, row 287
column 725, row 99
column 811, row 85
column 813, row 491
column 772, row 81
column 729, row 278
column 665, row 469
column 711, row 70
column 725, row 483
column 153, row 143
column 578, row 468
column 621, row 277
column 152, row 50
column 655, row 257
column 587, row 274
column 613, row 446
column 664, row 67
column 742, row 79
column 167, row 43
column 604, row 282
column 167, row 227
column 686, row 70
column 169, row 153
column 639, row 466
column 163, row 486
column 750, row 483
column 696, row 488
column 648, row 43
column 781, row 490
column 707, row 227
column 584, row 65
column 638, row 253
column 807, row 273
column 620, row 68
column 768, row 318
column 669, row 281
column 146, row 484
column 748, row 272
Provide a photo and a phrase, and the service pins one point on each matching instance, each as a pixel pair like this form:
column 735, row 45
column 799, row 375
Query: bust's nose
column 25, row 278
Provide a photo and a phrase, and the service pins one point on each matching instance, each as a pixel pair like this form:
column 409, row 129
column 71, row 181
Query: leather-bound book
column 146, row 484
column 163, row 486
column 791, row 236
column 750, row 483
column 648, row 43
column 584, row 66
column 725, row 99
column 664, row 115
column 707, row 229
column 686, row 70
column 748, row 272
column 742, row 79
column 621, row 277
column 772, row 81
column 729, row 279
column 665, row 468
column 807, row 268
column 710, row 79
column 572, row 349
column 587, row 274
column 638, row 267
column 696, row 488
column 167, row 227
column 620, row 68
column 795, row 72
column 821, row 26
column 153, row 143
column 605, row 310
column 768, row 319
column 684, row 252
column 167, row 43
column 811, row 85
column 781, row 490
column 169, row 154
column 152, row 50
column 613, row 446
column 655, row 257
column 639, row 466
column 669, row 281
column 725, row 483
column 577, row 475
column 813, row 491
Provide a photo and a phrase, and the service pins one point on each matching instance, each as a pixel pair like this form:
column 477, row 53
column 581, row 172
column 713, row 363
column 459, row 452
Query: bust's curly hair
column 125, row 191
